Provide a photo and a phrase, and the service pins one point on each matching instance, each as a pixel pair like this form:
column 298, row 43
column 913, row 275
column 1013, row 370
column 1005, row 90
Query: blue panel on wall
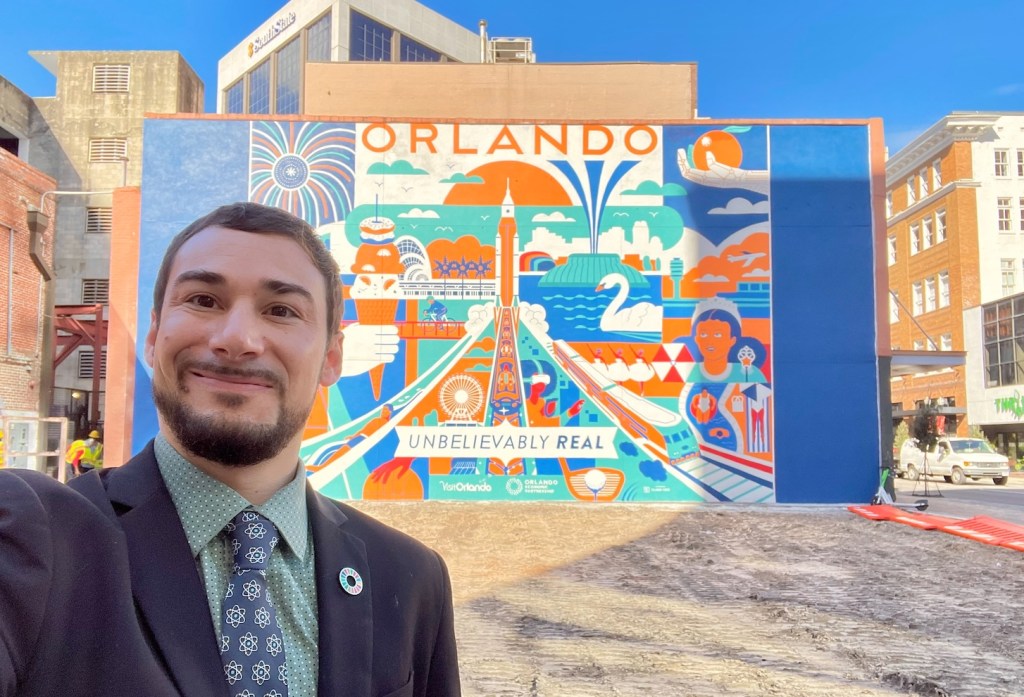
column 189, row 168
column 823, row 305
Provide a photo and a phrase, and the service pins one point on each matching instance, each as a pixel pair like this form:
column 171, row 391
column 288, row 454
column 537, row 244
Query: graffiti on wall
column 539, row 312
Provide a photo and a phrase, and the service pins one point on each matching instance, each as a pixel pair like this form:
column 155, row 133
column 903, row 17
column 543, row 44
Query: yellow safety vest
column 91, row 456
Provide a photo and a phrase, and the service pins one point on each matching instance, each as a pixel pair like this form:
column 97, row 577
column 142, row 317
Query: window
column 946, row 342
column 918, row 298
column 892, row 249
column 110, row 78
column 415, row 52
column 1020, row 208
column 95, row 291
column 936, row 175
column 1002, row 163
column 286, row 96
column 1003, row 331
column 234, row 98
column 99, row 220
column 923, row 177
column 1020, row 163
column 911, row 191
column 1003, row 213
column 915, row 238
column 940, row 225
column 926, row 233
column 888, row 204
column 86, row 361
column 918, row 344
column 1008, row 272
column 318, row 40
column 259, row 89
column 108, row 149
column 930, row 299
column 944, row 289
column 894, row 308
column 369, row 40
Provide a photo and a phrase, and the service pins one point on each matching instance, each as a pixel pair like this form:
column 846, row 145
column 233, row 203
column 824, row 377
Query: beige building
column 535, row 92
column 88, row 137
column 955, row 222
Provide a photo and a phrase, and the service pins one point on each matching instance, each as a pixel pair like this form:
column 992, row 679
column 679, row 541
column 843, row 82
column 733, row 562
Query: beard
column 230, row 443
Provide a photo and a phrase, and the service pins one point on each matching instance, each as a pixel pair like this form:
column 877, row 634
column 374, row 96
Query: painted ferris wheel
column 461, row 397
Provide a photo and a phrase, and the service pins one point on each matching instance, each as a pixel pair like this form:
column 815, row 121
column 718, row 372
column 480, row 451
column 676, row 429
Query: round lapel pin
column 351, row 581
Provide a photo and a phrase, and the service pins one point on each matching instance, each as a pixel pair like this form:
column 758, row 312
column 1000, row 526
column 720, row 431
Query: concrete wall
column 160, row 82
column 536, row 92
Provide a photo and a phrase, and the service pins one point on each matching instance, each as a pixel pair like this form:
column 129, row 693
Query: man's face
column 714, row 339
column 240, row 346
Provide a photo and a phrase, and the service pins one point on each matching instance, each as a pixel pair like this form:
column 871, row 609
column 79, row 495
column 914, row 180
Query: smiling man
column 244, row 580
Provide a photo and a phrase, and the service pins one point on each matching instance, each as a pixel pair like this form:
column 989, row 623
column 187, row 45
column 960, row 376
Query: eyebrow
column 215, row 279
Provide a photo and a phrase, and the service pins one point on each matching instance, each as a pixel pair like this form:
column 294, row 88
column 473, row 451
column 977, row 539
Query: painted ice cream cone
column 375, row 292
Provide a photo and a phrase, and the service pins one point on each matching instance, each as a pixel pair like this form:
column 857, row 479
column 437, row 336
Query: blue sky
column 907, row 62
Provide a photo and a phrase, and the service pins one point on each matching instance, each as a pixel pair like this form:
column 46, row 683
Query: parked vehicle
column 954, row 459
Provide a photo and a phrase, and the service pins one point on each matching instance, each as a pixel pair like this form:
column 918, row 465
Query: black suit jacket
column 395, row 639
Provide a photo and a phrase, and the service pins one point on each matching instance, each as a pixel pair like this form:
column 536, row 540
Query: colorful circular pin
column 351, row 581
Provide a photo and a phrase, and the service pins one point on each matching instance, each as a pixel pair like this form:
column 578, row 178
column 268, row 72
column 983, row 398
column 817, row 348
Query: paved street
column 970, row 499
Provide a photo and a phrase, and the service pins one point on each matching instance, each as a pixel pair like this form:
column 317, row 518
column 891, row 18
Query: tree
column 925, row 429
column 901, row 434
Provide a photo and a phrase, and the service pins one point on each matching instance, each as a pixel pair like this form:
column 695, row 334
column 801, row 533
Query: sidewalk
column 565, row 600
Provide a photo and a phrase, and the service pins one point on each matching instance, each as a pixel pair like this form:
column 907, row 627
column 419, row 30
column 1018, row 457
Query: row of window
column 945, row 344
column 1004, row 214
column 1002, row 162
column 918, row 186
column 1003, row 330
column 929, row 294
column 924, row 234
column 274, row 85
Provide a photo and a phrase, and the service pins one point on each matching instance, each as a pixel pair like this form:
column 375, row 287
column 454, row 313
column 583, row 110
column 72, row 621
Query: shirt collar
column 206, row 505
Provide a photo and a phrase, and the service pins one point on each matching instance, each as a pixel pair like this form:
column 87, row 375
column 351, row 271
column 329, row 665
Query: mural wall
column 535, row 312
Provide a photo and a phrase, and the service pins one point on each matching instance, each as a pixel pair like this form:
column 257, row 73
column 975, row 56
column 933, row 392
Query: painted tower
column 507, row 250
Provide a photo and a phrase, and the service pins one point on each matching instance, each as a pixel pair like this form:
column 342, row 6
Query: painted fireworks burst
column 304, row 168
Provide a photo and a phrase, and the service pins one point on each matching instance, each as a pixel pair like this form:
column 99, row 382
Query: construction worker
column 85, row 455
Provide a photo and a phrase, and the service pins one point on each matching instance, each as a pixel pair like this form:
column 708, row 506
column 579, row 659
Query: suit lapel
column 168, row 590
column 345, row 621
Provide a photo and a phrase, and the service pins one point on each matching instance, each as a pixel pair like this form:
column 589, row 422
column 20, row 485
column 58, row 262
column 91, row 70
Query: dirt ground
column 561, row 600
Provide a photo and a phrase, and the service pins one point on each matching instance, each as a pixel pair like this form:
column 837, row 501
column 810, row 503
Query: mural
column 538, row 312
column 535, row 312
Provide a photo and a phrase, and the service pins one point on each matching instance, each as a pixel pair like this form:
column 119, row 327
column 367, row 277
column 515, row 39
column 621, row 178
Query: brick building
column 954, row 207
column 22, row 298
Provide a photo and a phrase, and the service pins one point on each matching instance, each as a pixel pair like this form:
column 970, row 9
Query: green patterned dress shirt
column 205, row 506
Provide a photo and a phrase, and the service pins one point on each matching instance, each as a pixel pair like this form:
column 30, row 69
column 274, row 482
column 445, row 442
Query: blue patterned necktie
column 252, row 644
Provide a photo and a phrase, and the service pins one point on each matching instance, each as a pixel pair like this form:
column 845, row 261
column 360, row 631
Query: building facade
column 23, row 331
column 955, row 240
column 266, row 72
column 92, row 144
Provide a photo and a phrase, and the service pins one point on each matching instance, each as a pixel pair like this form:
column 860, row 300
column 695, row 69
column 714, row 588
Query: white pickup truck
column 954, row 459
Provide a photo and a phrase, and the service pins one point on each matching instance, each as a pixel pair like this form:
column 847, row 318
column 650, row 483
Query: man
column 245, row 581
column 85, row 455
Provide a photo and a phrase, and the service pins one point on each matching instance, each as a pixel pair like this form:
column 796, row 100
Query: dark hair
column 260, row 220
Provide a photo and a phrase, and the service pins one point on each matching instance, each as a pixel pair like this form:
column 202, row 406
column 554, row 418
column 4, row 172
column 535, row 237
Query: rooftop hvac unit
column 517, row 49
